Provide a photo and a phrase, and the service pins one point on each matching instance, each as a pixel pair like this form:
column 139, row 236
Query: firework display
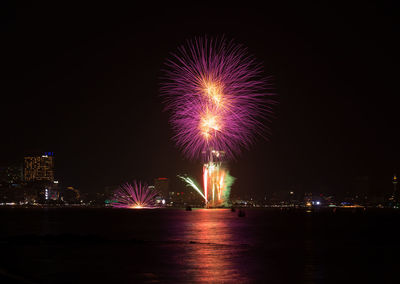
column 134, row 196
column 219, row 102
column 214, row 174
column 216, row 96
column 191, row 183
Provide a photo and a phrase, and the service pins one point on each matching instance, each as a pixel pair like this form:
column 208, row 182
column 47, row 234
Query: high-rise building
column 39, row 168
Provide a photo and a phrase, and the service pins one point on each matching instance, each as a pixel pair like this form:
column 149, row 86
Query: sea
column 267, row 245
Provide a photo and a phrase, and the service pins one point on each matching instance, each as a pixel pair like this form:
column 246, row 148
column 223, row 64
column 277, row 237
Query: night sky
column 83, row 82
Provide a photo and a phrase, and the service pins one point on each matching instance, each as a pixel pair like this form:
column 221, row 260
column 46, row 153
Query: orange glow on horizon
column 137, row 207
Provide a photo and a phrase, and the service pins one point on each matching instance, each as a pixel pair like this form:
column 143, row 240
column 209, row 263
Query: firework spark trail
column 205, row 182
column 228, row 182
column 225, row 181
column 216, row 97
column 137, row 195
column 214, row 176
column 191, row 183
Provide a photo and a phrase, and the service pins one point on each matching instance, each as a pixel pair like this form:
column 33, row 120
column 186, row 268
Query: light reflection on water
column 212, row 247
column 178, row 246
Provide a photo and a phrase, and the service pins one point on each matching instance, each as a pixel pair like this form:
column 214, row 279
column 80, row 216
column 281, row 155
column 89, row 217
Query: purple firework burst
column 217, row 97
column 137, row 195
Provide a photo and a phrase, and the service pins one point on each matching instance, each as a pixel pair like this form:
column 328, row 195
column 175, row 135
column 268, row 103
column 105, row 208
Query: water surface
column 199, row 246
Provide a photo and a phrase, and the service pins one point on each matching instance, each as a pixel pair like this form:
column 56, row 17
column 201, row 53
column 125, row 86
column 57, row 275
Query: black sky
column 82, row 81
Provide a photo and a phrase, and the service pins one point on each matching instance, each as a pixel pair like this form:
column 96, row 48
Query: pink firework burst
column 217, row 97
column 134, row 196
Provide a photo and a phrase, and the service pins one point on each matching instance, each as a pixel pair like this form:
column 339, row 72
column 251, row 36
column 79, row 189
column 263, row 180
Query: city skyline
column 199, row 142
column 88, row 90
